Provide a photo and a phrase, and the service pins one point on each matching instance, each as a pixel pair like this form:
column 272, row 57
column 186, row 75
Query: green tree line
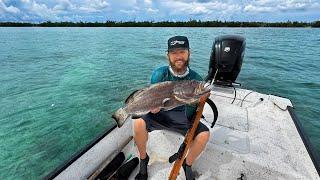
column 191, row 23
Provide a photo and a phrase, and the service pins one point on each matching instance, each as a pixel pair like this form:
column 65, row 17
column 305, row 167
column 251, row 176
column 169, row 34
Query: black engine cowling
column 226, row 59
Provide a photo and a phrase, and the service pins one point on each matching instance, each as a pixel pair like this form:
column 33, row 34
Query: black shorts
column 176, row 121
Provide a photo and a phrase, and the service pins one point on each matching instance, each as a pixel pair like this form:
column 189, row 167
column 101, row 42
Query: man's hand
column 204, row 97
column 155, row 110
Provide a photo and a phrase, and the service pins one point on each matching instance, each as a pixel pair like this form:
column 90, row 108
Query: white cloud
column 132, row 11
column 31, row 10
column 257, row 9
column 101, row 10
column 148, row 2
column 125, row 3
column 292, row 5
column 263, row 2
column 8, row 9
column 25, row 1
column 315, row 6
column 99, row 4
column 262, row 6
column 41, row 10
column 150, row 10
column 129, row 12
column 94, row 6
column 198, row 8
column 64, row 5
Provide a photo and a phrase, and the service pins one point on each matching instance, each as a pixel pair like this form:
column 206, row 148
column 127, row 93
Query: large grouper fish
column 165, row 95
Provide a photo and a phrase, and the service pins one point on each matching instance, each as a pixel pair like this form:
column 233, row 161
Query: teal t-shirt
column 163, row 74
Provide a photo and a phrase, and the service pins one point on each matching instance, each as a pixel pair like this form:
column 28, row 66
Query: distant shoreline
column 191, row 23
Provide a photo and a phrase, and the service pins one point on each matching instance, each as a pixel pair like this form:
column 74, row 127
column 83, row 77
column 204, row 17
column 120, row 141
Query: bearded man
column 178, row 119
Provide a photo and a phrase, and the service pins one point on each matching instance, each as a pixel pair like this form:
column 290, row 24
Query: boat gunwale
column 306, row 141
column 78, row 154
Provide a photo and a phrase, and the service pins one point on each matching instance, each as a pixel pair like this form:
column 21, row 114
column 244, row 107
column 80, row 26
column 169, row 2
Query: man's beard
column 186, row 64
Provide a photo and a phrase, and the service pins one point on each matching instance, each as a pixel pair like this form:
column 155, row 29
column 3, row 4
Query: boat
column 256, row 136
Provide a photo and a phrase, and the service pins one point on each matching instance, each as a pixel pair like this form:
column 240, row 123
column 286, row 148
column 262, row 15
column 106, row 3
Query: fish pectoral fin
column 165, row 102
column 183, row 99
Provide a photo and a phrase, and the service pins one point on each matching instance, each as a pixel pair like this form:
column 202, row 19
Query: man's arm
column 157, row 75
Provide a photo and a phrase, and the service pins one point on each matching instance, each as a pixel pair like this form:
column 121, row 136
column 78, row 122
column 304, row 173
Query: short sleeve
column 155, row 77
column 158, row 75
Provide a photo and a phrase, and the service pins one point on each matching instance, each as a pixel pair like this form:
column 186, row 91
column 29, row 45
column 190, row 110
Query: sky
column 36, row 11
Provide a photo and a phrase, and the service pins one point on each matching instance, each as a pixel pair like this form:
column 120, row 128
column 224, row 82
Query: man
column 177, row 119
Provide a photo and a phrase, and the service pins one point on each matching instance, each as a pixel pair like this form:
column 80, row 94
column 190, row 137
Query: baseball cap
column 178, row 42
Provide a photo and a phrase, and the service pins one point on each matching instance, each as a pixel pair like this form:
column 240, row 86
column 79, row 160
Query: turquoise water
column 60, row 85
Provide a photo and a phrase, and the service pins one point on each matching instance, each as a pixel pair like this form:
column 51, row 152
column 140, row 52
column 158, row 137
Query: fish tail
column 120, row 116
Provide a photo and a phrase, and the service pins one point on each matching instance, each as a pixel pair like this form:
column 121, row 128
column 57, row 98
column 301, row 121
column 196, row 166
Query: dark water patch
column 31, row 90
column 257, row 57
column 154, row 57
column 311, row 85
column 269, row 65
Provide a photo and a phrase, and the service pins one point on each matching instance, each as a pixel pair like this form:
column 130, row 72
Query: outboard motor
column 226, row 59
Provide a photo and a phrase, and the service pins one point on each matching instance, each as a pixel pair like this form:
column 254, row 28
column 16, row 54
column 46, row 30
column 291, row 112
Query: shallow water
column 60, row 85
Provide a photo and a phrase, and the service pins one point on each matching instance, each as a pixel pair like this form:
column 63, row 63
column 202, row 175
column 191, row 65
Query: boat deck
column 254, row 138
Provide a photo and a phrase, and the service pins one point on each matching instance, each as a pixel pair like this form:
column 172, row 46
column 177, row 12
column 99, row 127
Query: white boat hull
column 254, row 137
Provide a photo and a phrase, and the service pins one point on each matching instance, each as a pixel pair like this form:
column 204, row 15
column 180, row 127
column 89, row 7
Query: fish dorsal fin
column 132, row 95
